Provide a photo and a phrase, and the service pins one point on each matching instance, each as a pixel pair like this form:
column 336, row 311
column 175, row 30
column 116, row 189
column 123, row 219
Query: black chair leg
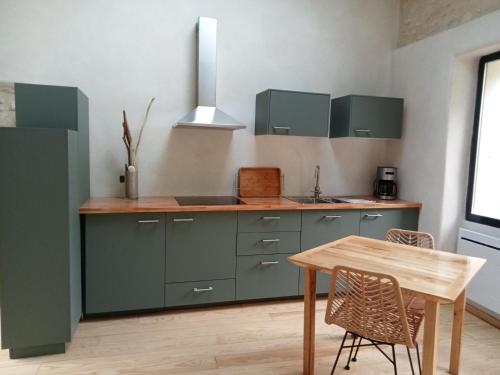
column 394, row 360
column 355, row 358
column 350, row 352
column 338, row 354
column 418, row 359
column 411, row 361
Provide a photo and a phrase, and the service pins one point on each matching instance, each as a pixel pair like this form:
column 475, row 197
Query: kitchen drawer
column 200, row 246
column 268, row 243
column 269, row 221
column 255, row 279
column 199, row 292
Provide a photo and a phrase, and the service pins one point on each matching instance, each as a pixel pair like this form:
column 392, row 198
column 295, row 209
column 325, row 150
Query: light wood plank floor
column 258, row 338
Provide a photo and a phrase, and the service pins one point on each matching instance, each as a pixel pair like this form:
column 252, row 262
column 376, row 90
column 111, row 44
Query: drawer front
column 200, row 246
column 269, row 221
column 266, row 276
column 124, row 262
column 320, row 227
column 199, row 292
column 268, row 243
column 374, row 223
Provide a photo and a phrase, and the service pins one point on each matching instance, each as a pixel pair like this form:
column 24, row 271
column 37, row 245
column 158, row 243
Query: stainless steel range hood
column 206, row 114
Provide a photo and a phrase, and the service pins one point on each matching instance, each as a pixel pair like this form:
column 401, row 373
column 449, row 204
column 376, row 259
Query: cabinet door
column 374, row 223
column 266, row 276
column 320, row 227
column 297, row 113
column 376, row 117
column 124, row 262
column 200, row 246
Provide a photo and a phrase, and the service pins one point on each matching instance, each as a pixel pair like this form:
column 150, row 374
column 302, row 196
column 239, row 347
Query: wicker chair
column 370, row 307
column 409, row 237
column 412, row 238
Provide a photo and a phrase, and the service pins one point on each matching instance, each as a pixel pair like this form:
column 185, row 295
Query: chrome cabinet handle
column 271, row 217
column 362, row 131
column 287, row 128
column 373, row 215
column 189, row 219
column 269, row 263
column 201, row 290
column 271, row 240
column 154, row 221
column 331, row 217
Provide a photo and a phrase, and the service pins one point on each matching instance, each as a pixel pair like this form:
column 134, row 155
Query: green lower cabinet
column 374, row 223
column 199, row 292
column 268, row 243
column 266, row 276
column 320, row 227
column 200, row 246
column 124, row 262
column 269, row 221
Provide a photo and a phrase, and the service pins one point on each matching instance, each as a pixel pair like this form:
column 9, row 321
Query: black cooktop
column 207, row 201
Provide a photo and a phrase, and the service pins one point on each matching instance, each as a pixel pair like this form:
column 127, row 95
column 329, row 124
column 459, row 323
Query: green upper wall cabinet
column 44, row 164
column 292, row 113
column 366, row 116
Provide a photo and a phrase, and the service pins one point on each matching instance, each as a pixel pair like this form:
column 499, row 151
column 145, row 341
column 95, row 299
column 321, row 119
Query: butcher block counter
column 169, row 204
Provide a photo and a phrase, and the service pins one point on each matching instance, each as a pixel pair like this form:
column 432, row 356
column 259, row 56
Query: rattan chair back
column 369, row 305
column 410, row 237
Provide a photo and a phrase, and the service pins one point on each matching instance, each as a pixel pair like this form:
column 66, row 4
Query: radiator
column 483, row 291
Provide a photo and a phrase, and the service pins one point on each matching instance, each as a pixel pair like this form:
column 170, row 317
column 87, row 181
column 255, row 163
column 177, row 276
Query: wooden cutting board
column 260, row 182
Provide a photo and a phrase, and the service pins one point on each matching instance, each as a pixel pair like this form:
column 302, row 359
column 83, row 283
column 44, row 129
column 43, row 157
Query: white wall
column 122, row 53
column 437, row 77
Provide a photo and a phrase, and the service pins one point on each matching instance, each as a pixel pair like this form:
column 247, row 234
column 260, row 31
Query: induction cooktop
column 207, row 201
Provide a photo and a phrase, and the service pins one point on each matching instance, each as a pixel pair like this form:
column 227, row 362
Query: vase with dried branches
column 131, row 176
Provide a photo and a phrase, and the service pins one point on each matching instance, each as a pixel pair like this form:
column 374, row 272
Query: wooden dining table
column 437, row 276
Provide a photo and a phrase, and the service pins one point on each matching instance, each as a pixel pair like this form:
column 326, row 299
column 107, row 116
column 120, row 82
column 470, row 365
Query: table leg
column 309, row 319
column 431, row 328
column 456, row 333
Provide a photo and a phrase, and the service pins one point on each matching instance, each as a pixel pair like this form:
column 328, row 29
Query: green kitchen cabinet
column 269, row 221
column 266, row 276
column 268, row 243
column 199, row 292
column 320, row 227
column 366, row 116
column 283, row 112
column 44, row 164
column 200, row 246
column 124, row 262
column 374, row 223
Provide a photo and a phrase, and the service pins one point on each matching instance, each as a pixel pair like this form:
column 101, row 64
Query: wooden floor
column 263, row 338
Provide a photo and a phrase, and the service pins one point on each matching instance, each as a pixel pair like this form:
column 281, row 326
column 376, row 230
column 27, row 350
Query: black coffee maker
column 385, row 186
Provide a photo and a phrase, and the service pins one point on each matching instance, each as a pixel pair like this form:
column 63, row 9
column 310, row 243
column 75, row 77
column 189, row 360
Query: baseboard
column 483, row 315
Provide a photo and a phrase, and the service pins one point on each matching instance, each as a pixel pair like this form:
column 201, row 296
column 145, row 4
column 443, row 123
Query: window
column 483, row 195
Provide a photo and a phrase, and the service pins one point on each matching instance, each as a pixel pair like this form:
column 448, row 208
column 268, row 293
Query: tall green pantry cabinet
column 44, row 178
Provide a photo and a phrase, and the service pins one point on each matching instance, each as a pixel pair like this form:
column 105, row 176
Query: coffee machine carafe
column 385, row 185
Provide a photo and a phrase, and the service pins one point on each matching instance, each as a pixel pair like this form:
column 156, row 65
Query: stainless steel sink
column 312, row 200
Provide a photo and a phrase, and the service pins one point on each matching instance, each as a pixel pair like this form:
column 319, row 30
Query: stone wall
column 7, row 105
column 419, row 19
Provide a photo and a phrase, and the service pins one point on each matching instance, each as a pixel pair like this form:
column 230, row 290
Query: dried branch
column 144, row 124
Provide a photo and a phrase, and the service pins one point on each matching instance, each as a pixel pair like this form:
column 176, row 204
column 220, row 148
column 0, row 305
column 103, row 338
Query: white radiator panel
column 484, row 289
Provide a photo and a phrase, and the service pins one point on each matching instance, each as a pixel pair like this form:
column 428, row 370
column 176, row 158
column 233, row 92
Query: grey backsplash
column 7, row 105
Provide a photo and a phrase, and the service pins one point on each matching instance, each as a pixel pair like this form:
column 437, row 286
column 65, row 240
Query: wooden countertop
column 169, row 204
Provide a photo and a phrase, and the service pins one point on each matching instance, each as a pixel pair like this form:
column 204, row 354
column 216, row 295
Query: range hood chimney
column 206, row 114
